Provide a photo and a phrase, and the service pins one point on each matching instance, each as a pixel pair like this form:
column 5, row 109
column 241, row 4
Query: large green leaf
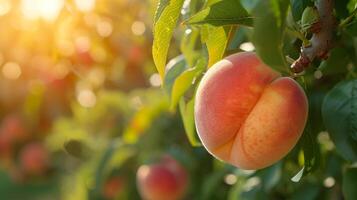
column 297, row 8
column 184, row 81
column 173, row 69
column 166, row 18
column 216, row 39
column 188, row 43
column 227, row 12
column 187, row 115
column 160, row 8
column 269, row 19
column 336, row 63
column 349, row 184
column 339, row 111
column 309, row 17
column 249, row 5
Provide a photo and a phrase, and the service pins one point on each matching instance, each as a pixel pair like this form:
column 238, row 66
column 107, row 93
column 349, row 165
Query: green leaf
column 339, row 111
column 78, row 149
column 238, row 38
column 306, row 191
column 184, row 81
column 351, row 29
column 188, row 44
column 298, row 176
column 336, row 63
column 187, row 115
column 249, row 5
column 297, row 8
column 269, row 18
column 216, row 39
column 270, row 176
column 160, row 8
column 173, row 69
column 309, row 17
column 167, row 15
column 310, row 149
column 227, row 12
column 349, row 184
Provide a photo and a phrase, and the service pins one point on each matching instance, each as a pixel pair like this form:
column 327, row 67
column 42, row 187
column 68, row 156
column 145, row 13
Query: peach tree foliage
column 313, row 41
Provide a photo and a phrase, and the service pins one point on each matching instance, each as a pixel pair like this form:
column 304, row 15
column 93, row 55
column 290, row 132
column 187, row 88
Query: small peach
column 166, row 180
column 34, row 159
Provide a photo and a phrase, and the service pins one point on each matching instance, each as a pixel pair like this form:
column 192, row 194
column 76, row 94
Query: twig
column 321, row 40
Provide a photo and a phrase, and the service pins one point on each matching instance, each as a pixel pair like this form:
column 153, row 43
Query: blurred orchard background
column 77, row 90
column 82, row 108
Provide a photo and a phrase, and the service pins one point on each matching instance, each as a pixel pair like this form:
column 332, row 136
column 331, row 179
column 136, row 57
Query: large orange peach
column 166, row 180
column 246, row 114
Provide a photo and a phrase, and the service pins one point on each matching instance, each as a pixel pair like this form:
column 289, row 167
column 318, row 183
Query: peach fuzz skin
column 246, row 114
column 165, row 180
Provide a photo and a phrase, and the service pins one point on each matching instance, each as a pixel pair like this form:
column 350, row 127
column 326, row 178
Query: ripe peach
column 5, row 147
column 113, row 187
column 247, row 114
column 13, row 127
column 166, row 180
column 34, row 159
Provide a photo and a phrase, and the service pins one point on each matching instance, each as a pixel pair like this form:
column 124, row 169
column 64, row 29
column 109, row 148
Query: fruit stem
column 321, row 39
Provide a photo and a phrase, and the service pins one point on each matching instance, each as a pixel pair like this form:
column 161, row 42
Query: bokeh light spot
column 82, row 43
column 329, row 182
column 5, row 7
column 61, row 69
column 46, row 9
column 318, row 74
column 138, row 28
column 85, row 5
column 230, row 179
column 251, row 183
column 96, row 77
column 86, row 98
column 247, row 46
column 155, row 80
column 11, row 70
column 104, row 28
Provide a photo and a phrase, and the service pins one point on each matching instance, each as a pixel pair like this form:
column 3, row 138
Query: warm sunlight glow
column 65, row 47
column 50, row 9
column 11, row 70
column 85, row 5
column 5, row 7
column 138, row 28
column 61, row 69
column 45, row 9
column 247, row 46
column 82, row 43
column 155, row 80
column 86, row 98
column 230, row 179
column 96, row 77
column 329, row 182
column 104, row 28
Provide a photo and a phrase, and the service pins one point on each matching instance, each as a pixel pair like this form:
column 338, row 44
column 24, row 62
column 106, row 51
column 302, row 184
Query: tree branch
column 321, row 39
